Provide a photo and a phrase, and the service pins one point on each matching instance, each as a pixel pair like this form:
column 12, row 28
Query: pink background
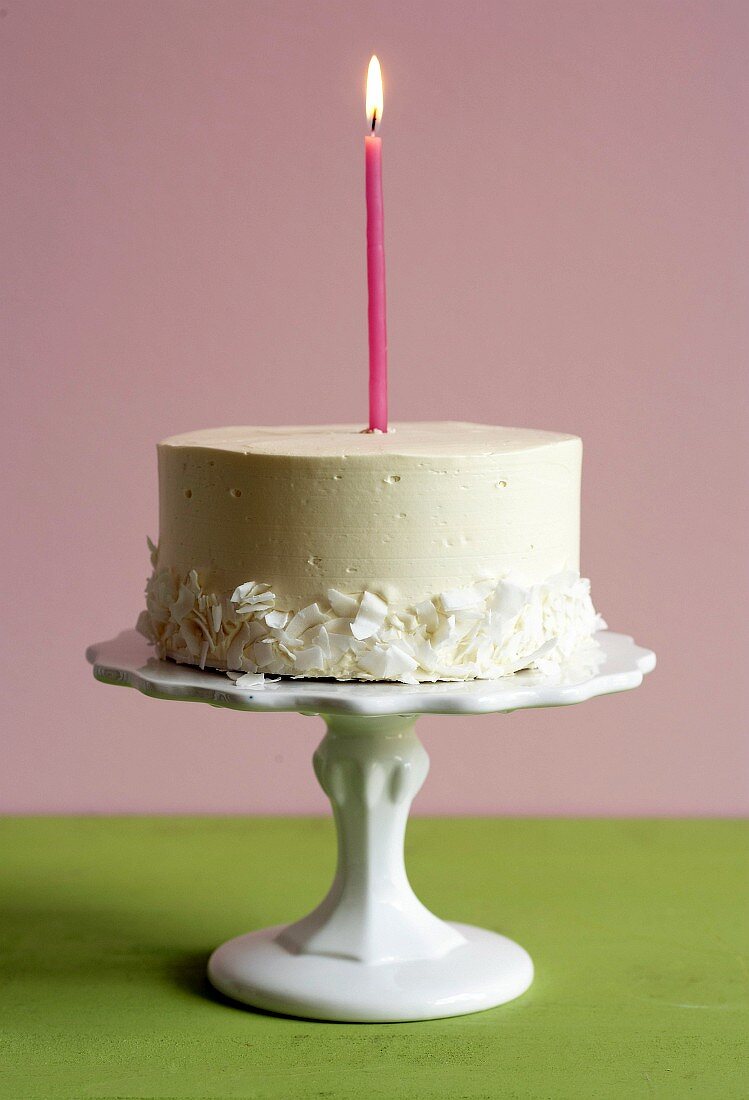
column 566, row 190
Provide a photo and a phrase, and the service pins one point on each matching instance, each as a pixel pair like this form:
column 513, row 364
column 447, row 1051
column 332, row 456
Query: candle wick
column 374, row 120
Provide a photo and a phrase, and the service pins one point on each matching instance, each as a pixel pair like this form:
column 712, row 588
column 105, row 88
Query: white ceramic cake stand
column 370, row 952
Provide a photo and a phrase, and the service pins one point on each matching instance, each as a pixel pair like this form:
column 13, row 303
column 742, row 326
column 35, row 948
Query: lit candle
column 378, row 341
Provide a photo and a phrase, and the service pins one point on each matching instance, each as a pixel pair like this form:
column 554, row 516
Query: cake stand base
column 486, row 970
column 371, row 952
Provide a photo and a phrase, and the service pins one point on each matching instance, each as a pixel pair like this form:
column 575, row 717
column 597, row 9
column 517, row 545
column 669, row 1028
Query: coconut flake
column 542, row 650
column 311, row 658
column 427, row 658
column 510, row 599
column 321, row 638
column 247, row 679
column 428, row 615
column 184, row 604
column 444, row 631
column 277, row 619
column 398, row 662
column 339, row 644
column 264, row 652
column 144, row 626
column 252, row 598
column 369, row 617
column 285, row 640
column 339, row 626
column 255, row 629
column 192, row 636
column 373, row 662
column 304, row 619
column 342, row 604
column 457, row 599
column 236, row 648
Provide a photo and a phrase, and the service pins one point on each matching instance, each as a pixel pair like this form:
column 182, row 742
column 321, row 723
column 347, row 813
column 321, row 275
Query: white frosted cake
column 441, row 551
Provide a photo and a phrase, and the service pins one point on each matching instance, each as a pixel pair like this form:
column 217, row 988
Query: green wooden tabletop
column 638, row 930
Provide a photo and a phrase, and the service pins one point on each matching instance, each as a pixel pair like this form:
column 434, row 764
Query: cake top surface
column 336, row 440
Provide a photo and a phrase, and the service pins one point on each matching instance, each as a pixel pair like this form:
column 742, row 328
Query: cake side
column 434, row 507
column 443, row 552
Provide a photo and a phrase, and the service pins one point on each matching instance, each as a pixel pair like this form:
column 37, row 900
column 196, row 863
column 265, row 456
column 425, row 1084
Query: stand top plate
column 128, row 660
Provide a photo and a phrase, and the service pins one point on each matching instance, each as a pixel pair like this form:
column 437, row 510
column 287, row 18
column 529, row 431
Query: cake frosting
column 437, row 551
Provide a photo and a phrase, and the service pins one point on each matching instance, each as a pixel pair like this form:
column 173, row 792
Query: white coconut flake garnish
column 488, row 629
column 398, row 662
column 304, row 619
column 457, row 599
column 252, row 680
column 510, row 599
column 444, row 630
column 236, row 647
column 339, row 626
column 372, row 661
column 369, row 617
column 277, row 619
column 427, row 615
column 342, row 605
column 321, row 638
column 216, row 617
column 526, row 662
column 339, row 644
column 309, row 659
column 252, row 598
column 184, row 604
column 264, row 652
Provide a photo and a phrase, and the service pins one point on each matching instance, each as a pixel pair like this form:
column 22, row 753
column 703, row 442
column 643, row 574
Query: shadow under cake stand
column 370, row 952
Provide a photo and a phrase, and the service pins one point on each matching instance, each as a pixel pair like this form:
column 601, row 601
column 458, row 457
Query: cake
column 437, row 551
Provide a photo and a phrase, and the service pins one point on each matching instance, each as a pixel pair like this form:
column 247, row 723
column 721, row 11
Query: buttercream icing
column 437, row 551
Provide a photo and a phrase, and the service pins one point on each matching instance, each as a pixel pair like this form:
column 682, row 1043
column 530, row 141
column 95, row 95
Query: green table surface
column 638, row 930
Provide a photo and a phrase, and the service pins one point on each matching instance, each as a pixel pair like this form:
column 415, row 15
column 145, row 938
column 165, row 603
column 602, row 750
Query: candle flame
column 374, row 93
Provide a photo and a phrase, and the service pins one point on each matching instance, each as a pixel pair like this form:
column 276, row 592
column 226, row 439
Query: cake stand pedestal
column 370, row 952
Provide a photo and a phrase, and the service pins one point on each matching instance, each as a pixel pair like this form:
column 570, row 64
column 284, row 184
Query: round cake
column 442, row 551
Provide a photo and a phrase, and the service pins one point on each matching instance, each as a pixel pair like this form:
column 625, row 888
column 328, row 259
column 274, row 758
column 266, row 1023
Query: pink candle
column 377, row 316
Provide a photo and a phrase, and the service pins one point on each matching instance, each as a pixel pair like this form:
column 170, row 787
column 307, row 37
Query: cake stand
column 370, row 952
